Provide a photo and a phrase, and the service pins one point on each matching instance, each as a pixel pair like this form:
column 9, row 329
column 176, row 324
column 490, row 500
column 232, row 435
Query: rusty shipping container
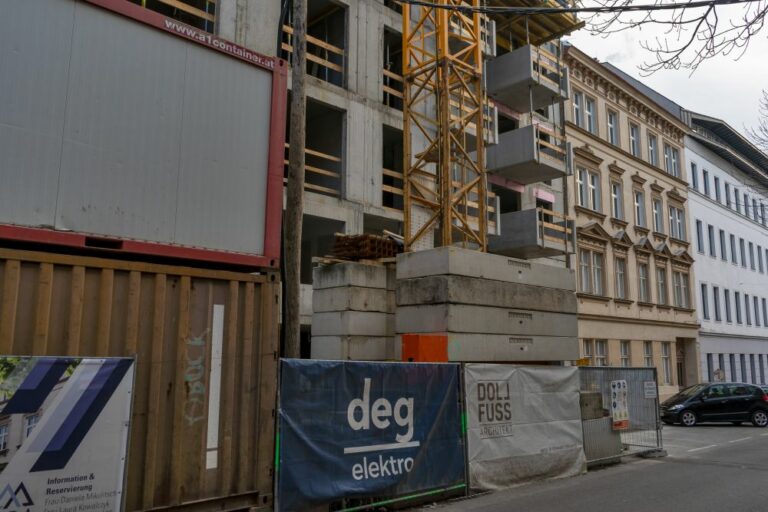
column 205, row 342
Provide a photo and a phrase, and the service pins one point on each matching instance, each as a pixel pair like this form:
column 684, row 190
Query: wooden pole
column 295, row 188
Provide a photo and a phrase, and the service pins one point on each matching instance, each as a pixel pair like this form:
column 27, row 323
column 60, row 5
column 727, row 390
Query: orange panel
column 425, row 348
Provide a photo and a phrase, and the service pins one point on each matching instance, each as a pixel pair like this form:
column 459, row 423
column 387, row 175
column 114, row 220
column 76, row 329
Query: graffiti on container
column 194, row 379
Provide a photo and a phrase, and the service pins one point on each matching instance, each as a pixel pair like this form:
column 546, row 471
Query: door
column 740, row 402
column 713, row 405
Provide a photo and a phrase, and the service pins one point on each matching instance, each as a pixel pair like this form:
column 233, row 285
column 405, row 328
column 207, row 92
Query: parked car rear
column 732, row 402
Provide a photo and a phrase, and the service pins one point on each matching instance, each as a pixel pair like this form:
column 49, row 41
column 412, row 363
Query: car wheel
column 688, row 418
column 760, row 418
column 737, row 423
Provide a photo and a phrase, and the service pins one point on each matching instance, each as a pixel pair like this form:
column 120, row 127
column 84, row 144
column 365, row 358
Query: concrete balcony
column 527, row 78
column 534, row 233
column 528, row 155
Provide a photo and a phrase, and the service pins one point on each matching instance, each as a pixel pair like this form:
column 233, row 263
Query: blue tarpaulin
column 356, row 429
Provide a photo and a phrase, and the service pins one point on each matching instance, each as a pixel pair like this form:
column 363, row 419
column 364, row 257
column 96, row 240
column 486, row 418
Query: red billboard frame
column 274, row 193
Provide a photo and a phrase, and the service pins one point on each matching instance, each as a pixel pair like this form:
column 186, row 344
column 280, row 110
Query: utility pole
column 294, row 211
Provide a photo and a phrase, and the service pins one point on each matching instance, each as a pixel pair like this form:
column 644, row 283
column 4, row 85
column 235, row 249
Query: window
column 743, row 253
column 601, row 352
column 670, row 160
column 694, row 177
column 736, row 199
column 661, row 285
column 756, row 307
column 591, row 272
column 765, row 313
column 643, row 286
column 617, row 205
column 578, row 113
column 621, row 278
column 589, row 111
column 711, row 235
column 751, row 256
column 754, row 210
column 588, row 184
column 705, row 179
column 666, row 353
column 747, row 313
column 733, row 250
column 648, row 353
column 653, row 150
column 727, row 302
column 658, row 215
column 613, row 127
column 723, row 247
column 716, row 303
column 699, row 236
column 746, row 204
column 704, row 302
column 737, row 305
column 760, row 259
column 639, row 208
column 727, row 195
column 625, row 353
column 676, row 223
column 718, row 198
column 680, row 285
column 588, row 352
column 29, row 424
column 634, row 140
column 3, row 437
column 762, row 213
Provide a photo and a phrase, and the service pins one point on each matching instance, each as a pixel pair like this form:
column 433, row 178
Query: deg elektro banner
column 354, row 429
column 64, row 426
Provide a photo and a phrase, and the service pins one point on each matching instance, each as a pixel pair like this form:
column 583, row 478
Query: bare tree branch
column 759, row 134
column 692, row 35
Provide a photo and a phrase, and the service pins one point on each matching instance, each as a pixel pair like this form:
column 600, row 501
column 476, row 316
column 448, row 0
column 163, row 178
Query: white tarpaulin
column 523, row 423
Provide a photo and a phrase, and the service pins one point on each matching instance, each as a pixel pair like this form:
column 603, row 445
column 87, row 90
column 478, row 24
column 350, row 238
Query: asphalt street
column 709, row 468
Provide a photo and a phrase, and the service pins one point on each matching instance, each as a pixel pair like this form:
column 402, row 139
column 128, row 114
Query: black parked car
column 722, row 402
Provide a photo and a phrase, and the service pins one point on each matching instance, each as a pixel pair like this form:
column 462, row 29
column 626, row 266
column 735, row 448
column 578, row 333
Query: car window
column 739, row 390
column 717, row 391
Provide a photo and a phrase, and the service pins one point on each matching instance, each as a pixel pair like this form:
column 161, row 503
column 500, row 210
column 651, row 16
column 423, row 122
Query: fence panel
column 606, row 436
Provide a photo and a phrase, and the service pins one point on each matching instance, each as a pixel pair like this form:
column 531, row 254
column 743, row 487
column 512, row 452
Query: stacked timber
column 491, row 308
column 364, row 247
column 353, row 311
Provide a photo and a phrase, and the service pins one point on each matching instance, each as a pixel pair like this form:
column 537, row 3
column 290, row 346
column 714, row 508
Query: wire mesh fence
column 605, row 438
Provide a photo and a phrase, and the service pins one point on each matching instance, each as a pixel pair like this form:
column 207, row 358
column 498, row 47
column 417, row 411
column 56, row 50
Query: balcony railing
column 392, row 199
column 528, row 155
column 392, row 88
column 535, row 233
column 328, row 57
column 322, row 172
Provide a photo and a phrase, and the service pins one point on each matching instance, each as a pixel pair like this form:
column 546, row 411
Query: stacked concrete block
column 353, row 312
column 492, row 308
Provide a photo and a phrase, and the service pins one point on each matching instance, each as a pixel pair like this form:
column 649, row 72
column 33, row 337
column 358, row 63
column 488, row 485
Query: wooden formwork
column 55, row 304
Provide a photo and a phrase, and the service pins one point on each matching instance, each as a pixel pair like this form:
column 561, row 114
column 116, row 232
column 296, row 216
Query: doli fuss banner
column 523, row 423
column 64, row 432
column 354, row 429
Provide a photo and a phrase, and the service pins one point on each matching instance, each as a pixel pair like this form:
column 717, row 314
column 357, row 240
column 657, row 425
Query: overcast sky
column 721, row 87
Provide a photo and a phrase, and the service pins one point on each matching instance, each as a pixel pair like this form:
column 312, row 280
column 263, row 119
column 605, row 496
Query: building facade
column 629, row 197
column 729, row 229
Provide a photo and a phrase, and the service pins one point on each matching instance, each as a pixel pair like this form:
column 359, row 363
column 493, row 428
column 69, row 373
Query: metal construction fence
column 620, row 412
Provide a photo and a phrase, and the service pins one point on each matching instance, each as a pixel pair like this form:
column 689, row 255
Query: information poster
column 64, row 426
column 619, row 405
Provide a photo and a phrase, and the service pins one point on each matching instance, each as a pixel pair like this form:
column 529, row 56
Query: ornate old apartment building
column 629, row 196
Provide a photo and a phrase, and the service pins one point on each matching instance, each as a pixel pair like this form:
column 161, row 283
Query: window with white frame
column 634, row 140
column 613, row 127
column 737, row 306
column 670, row 160
column 760, row 259
column 747, row 313
column 716, row 303
column 734, row 255
column 589, row 114
column 601, row 352
column 676, row 223
column 718, row 196
column 743, row 252
column 658, row 215
column 578, row 108
column 625, row 353
column 736, row 199
column 617, row 200
column 661, row 286
column 751, row 256
column 699, row 236
column 643, row 283
column 639, row 196
column 723, row 246
column 621, row 278
column 704, row 301
column 588, row 351
column 756, row 307
column 591, row 272
column 728, row 195
column 653, row 150
column 705, row 181
column 666, row 364
column 711, row 237
column 588, row 185
column 727, row 304
column 680, row 283
column 29, row 424
column 648, row 353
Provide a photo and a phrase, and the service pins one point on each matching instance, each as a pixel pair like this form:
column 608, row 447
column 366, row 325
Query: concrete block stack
column 490, row 307
column 353, row 312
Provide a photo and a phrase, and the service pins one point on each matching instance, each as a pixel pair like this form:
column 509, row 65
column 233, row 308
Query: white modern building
column 727, row 203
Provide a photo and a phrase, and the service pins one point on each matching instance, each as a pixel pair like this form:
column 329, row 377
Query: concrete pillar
column 254, row 25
